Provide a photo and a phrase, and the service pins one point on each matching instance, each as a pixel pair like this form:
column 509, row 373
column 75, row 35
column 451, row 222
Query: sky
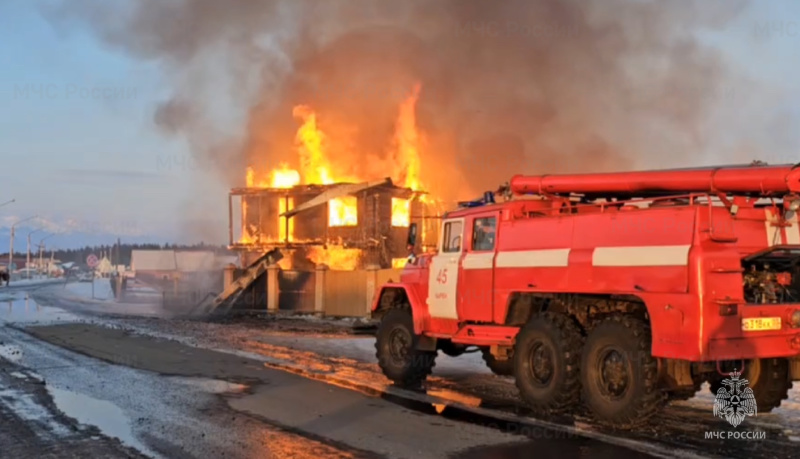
column 78, row 145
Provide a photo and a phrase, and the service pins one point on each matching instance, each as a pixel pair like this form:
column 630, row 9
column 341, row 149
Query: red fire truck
column 618, row 291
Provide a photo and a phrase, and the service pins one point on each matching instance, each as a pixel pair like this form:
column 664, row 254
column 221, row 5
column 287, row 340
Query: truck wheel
column 498, row 367
column 769, row 379
column 546, row 363
column 397, row 353
column 619, row 374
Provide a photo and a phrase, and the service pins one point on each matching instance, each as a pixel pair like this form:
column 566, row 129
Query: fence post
column 272, row 288
column 372, row 285
column 319, row 289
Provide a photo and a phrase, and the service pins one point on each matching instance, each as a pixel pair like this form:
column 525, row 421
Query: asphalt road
column 120, row 394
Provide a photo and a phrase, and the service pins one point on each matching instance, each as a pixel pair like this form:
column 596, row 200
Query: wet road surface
column 679, row 430
column 168, row 399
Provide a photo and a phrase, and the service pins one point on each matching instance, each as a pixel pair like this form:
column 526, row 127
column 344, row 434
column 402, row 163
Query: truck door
column 443, row 283
column 475, row 295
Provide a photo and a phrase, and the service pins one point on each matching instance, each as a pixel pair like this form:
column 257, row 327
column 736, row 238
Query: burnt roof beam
column 334, row 193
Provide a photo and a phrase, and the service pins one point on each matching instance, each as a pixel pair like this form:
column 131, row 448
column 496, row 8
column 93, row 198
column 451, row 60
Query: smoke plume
column 513, row 86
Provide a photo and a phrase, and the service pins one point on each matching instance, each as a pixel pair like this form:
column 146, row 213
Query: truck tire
column 769, row 379
column 619, row 375
column 498, row 367
column 546, row 363
column 397, row 353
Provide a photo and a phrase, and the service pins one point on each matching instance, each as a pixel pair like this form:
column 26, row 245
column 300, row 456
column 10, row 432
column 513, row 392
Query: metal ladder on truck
column 223, row 302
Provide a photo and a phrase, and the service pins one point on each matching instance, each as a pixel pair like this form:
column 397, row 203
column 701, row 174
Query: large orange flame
column 311, row 143
column 408, row 140
column 315, row 168
column 335, row 257
column 285, row 177
column 407, row 155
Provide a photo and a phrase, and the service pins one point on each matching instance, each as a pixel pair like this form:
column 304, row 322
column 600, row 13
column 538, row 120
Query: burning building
column 343, row 226
column 319, row 217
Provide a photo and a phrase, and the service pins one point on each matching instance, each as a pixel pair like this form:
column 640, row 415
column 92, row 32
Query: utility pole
column 10, row 252
column 12, row 241
column 41, row 253
column 11, row 245
column 28, row 261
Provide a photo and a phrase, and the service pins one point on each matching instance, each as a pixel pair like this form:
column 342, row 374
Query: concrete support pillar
column 272, row 288
column 372, row 286
column 319, row 289
column 227, row 275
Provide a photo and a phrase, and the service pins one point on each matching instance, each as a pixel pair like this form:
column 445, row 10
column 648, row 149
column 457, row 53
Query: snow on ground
column 100, row 290
column 98, row 298
column 10, row 352
column 27, row 408
column 30, row 283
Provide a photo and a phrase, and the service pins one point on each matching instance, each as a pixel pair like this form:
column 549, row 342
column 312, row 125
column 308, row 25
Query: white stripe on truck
column 631, row 256
column 478, row 260
column 546, row 258
column 646, row 255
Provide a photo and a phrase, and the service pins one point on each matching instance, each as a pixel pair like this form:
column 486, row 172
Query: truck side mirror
column 411, row 242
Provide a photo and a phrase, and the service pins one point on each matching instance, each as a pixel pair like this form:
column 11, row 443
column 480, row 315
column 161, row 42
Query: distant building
column 104, row 267
column 159, row 263
column 16, row 263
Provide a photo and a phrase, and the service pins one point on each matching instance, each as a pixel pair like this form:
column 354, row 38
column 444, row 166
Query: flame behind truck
column 619, row 291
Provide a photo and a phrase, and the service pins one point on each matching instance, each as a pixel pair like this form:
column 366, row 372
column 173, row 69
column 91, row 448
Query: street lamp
column 28, row 260
column 11, row 244
column 41, row 251
column 8, row 202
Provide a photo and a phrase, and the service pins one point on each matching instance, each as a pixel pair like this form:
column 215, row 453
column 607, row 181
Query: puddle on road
column 21, row 308
column 106, row 416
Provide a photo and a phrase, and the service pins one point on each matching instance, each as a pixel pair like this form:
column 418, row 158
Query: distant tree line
column 120, row 254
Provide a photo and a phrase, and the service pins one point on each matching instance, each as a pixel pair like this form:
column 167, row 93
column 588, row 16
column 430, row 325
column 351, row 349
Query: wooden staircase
column 223, row 302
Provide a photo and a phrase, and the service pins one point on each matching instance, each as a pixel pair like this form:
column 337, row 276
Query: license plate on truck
column 761, row 323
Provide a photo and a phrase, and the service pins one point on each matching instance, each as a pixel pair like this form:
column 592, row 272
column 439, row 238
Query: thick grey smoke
column 512, row 86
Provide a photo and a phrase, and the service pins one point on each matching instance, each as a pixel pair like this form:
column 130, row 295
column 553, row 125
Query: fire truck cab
column 617, row 291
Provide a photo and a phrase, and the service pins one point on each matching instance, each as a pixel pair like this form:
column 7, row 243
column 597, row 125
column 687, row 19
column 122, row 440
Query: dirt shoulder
column 161, row 356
